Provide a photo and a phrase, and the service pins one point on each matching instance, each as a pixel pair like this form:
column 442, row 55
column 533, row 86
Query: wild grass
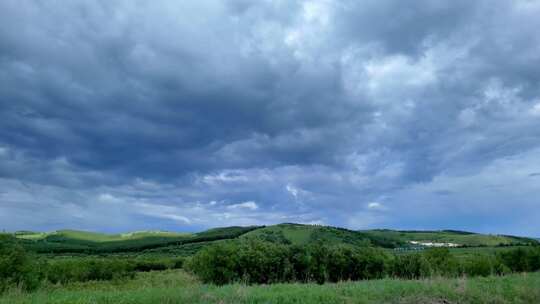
column 176, row 286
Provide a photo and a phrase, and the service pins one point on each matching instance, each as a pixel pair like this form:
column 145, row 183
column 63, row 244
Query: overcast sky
column 184, row 115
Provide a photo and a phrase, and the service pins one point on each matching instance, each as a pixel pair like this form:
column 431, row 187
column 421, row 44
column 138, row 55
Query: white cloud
column 535, row 110
column 399, row 71
column 376, row 206
column 229, row 176
column 292, row 190
column 251, row 205
column 108, row 198
column 467, row 117
column 161, row 211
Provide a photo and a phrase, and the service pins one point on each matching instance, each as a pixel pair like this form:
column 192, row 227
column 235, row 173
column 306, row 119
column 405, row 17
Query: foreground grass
column 179, row 287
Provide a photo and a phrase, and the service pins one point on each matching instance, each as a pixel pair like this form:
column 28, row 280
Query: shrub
column 480, row 265
column 262, row 262
column 442, row 262
column 521, row 259
column 216, row 264
column 16, row 267
column 410, row 266
column 88, row 269
column 145, row 265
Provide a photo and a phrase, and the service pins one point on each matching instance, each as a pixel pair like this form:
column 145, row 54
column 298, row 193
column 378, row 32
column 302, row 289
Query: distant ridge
column 76, row 241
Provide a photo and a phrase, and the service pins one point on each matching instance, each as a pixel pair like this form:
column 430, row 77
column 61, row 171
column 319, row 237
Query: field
column 180, row 287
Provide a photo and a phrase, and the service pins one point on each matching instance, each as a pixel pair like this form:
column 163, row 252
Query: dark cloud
column 241, row 112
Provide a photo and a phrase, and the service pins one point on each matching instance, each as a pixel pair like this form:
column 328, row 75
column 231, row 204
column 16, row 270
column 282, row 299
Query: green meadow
column 180, row 287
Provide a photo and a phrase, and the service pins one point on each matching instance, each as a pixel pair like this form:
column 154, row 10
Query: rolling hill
column 299, row 234
column 73, row 241
column 304, row 234
column 461, row 238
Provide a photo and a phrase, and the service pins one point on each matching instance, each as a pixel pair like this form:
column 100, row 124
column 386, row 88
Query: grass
column 180, row 287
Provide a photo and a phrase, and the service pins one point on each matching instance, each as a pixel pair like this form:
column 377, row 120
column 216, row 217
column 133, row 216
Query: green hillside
column 73, row 241
column 305, row 234
column 461, row 238
column 299, row 234
column 96, row 237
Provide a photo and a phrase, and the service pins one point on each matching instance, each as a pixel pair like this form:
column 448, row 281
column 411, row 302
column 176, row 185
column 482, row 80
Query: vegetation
column 462, row 238
column 71, row 241
column 263, row 262
column 83, row 267
column 184, row 244
column 176, row 286
column 308, row 234
column 16, row 268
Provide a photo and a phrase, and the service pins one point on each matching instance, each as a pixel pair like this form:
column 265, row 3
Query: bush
column 521, row 259
column 178, row 263
column 262, row 263
column 88, row 269
column 17, row 268
column 410, row 266
column 145, row 265
column 216, row 264
column 442, row 262
column 481, row 265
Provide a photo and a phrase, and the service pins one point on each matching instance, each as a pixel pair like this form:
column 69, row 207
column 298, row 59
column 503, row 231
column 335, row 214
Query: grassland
column 179, row 287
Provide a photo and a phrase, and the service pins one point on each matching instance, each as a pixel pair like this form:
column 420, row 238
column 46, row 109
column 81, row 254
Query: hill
column 304, row 234
column 299, row 234
column 459, row 238
column 73, row 241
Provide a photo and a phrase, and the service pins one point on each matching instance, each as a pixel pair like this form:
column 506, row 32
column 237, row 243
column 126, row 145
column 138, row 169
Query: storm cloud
column 126, row 115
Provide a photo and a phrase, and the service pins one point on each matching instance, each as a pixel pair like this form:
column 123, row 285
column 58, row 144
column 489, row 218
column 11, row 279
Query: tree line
column 24, row 270
column 259, row 262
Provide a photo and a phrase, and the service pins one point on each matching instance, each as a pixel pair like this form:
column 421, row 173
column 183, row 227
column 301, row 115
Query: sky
column 183, row 115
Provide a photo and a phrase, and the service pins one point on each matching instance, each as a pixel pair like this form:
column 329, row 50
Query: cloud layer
column 166, row 115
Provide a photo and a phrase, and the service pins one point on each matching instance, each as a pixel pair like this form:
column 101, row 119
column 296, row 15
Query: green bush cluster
column 21, row 270
column 156, row 264
column 82, row 270
column 259, row 262
column 263, row 262
column 104, row 268
column 16, row 267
